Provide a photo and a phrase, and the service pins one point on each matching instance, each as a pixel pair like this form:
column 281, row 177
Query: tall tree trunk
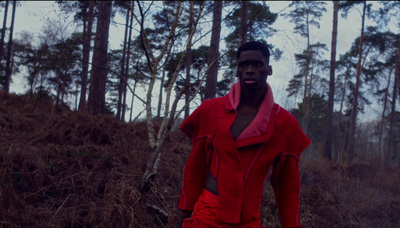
column 76, row 94
column 309, row 91
column 127, row 61
column 3, row 31
column 382, row 124
column 62, row 89
column 306, row 80
column 122, row 72
column 87, row 38
column 213, row 53
column 329, row 124
column 99, row 72
column 188, row 63
column 396, row 85
column 7, row 80
column 353, row 120
column 243, row 24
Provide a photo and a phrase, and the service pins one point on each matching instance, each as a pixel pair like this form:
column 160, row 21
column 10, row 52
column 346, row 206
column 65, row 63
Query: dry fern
column 70, row 169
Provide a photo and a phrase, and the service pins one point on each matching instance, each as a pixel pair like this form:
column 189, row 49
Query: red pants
column 205, row 211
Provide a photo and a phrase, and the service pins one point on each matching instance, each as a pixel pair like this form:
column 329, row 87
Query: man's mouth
column 250, row 81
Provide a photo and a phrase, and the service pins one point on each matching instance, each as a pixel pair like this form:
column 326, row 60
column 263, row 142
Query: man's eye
column 243, row 65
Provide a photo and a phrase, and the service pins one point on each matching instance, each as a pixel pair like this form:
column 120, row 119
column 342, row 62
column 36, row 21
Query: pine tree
column 98, row 78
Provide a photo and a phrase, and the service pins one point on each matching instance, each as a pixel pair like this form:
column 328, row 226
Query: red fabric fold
column 204, row 215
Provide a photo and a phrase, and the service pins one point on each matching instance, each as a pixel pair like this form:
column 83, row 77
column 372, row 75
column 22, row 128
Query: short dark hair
column 254, row 45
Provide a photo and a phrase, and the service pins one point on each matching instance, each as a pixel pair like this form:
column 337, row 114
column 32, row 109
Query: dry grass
column 70, row 169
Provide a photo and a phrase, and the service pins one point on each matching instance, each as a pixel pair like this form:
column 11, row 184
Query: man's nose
column 250, row 68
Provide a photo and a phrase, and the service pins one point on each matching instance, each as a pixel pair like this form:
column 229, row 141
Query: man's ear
column 269, row 70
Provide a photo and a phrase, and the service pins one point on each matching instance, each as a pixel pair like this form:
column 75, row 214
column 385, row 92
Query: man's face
column 253, row 70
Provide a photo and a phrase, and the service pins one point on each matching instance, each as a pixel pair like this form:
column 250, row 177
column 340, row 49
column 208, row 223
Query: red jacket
column 273, row 134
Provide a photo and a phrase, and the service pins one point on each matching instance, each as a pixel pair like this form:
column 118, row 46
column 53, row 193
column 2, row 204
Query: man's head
column 253, row 65
column 254, row 45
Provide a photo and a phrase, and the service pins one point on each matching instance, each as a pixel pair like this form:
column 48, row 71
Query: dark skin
column 252, row 72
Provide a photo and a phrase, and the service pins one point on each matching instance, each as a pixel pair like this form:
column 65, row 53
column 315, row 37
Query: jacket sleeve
column 199, row 129
column 285, row 177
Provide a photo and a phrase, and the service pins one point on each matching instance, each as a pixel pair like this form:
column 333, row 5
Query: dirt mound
column 71, row 169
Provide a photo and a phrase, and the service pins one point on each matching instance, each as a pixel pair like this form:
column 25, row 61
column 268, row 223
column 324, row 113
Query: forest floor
column 71, row 169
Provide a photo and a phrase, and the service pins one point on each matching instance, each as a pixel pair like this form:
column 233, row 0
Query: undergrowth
column 71, row 169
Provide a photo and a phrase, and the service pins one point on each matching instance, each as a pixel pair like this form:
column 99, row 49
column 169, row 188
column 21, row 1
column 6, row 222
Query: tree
column 7, row 79
column 259, row 23
column 99, row 72
column 87, row 38
column 396, row 89
column 127, row 63
column 156, row 140
column 3, row 31
column 342, row 84
column 383, row 50
column 329, row 125
column 64, row 58
column 163, row 21
column 377, row 63
column 84, row 12
column 188, row 60
column 318, row 112
column 383, row 117
column 351, row 150
column 304, row 15
column 198, row 66
column 33, row 58
column 383, row 17
column 243, row 24
column 212, row 73
column 121, row 85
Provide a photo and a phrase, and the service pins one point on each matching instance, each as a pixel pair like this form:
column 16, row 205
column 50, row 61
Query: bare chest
column 243, row 119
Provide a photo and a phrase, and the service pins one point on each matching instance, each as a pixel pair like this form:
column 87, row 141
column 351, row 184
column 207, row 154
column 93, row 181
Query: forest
column 93, row 140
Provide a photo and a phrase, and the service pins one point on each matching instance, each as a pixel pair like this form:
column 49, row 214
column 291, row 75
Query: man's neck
column 252, row 99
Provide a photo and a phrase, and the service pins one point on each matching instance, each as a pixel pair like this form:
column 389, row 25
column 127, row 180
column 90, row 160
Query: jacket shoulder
column 284, row 118
column 202, row 122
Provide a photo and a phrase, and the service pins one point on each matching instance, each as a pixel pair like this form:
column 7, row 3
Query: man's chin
column 250, row 87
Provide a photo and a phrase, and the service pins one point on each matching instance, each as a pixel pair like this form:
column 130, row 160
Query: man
column 236, row 139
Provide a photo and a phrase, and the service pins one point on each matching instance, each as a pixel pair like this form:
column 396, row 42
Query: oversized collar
column 259, row 124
